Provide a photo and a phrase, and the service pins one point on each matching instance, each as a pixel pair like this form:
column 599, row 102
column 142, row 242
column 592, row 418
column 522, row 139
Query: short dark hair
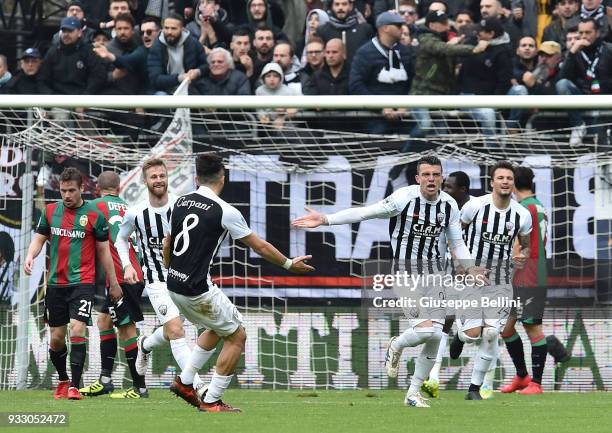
column 242, row 31
column 502, row 164
column 523, row 178
column 572, row 29
column 430, row 160
column 126, row 18
column 264, row 28
column 590, row 20
column 175, row 16
column 209, row 167
column 461, row 179
column 316, row 39
column 151, row 20
column 7, row 247
column 70, row 174
column 465, row 12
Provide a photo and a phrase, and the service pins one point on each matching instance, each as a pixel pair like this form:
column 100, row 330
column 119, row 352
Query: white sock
column 180, row 351
column 154, row 340
column 217, row 387
column 490, row 375
column 423, row 365
column 409, row 338
column 435, row 371
column 486, row 353
column 197, row 359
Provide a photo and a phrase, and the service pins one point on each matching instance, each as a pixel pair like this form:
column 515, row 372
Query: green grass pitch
column 324, row 411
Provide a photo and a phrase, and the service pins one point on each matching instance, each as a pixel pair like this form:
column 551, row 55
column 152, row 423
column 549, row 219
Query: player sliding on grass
column 200, row 222
column 78, row 234
column 418, row 214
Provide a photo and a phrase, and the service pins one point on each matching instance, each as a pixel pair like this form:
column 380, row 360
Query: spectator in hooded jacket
column 347, row 25
column 71, row 68
column 211, row 25
column 176, row 56
column 259, row 15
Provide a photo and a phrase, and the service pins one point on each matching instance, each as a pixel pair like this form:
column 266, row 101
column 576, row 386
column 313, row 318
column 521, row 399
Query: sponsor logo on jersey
column 176, row 274
column 429, row 231
column 83, row 220
column 155, row 242
column 509, row 225
column 67, row 233
column 496, row 238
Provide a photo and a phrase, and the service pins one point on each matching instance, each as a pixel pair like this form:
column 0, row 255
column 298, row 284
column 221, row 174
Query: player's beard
column 157, row 191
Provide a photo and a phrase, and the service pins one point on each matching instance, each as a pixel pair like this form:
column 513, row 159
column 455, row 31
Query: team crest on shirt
column 509, row 225
column 83, row 220
column 440, row 217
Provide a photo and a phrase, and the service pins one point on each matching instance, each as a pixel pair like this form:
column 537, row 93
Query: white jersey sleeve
column 469, row 210
column 526, row 221
column 126, row 229
column 387, row 208
column 233, row 221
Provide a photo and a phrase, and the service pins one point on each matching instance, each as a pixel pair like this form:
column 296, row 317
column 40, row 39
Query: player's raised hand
column 310, row 221
column 130, row 275
column 300, row 266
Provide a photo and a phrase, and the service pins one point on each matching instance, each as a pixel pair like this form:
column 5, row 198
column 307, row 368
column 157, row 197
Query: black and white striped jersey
column 491, row 233
column 200, row 222
column 443, row 244
column 151, row 225
column 415, row 226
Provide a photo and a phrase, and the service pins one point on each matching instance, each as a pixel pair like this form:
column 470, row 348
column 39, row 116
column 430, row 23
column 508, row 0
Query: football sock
column 490, row 375
column 59, row 362
column 539, row 351
column 435, row 370
column 410, row 338
column 196, row 360
column 482, row 362
column 514, row 344
column 154, row 340
column 78, row 350
column 217, row 387
column 130, row 348
column 423, row 364
column 108, row 352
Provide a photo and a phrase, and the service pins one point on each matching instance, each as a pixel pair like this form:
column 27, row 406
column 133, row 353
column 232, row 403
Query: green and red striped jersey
column 72, row 235
column 113, row 208
column 534, row 273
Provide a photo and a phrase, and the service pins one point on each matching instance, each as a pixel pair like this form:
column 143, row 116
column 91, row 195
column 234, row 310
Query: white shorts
column 424, row 308
column 224, row 319
column 494, row 316
column 160, row 299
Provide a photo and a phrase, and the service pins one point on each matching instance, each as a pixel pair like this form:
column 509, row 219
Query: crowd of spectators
column 334, row 47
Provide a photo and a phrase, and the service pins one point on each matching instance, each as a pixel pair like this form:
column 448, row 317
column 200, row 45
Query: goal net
column 309, row 331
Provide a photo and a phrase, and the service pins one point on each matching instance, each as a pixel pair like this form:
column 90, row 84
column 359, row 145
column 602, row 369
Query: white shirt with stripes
column 151, row 225
column 491, row 233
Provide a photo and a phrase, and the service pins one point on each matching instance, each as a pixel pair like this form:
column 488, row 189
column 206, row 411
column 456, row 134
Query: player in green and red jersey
column 530, row 285
column 78, row 234
column 126, row 312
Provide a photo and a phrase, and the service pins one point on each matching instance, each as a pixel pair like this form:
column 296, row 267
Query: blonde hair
column 153, row 162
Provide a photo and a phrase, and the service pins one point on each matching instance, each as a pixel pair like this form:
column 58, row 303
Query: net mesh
column 307, row 333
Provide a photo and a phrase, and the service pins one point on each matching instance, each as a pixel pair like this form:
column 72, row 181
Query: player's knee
column 174, row 329
column 470, row 336
column 489, row 335
column 425, row 333
column 77, row 328
column 104, row 322
column 534, row 331
column 57, row 340
column 238, row 338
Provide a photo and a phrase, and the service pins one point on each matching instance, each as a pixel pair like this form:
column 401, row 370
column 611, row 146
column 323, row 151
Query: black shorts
column 128, row 308
column 533, row 303
column 63, row 303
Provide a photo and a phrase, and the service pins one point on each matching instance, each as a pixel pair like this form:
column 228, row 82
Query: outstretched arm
column 266, row 250
column 382, row 209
